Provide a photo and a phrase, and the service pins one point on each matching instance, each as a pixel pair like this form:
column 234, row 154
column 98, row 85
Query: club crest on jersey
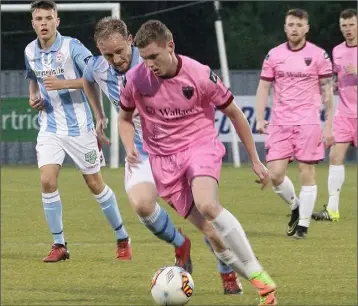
column 59, row 58
column 188, row 92
column 308, row 60
column 213, row 77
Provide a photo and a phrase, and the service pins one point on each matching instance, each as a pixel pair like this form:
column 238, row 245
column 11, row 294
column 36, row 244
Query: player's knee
column 209, row 208
column 48, row 183
column 143, row 204
column 94, row 182
column 277, row 177
column 308, row 175
column 335, row 158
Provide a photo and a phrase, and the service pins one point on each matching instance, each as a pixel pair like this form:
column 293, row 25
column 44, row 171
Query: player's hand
column 53, row 83
column 37, row 103
column 132, row 156
column 328, row 137
column 261, row 125
column 262, row 173
column 101, row 125
column 350, row 69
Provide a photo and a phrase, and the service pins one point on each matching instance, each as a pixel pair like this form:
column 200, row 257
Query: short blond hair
column 108, row 26
column 152, row 31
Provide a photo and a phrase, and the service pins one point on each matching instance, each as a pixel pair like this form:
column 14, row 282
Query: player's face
column 296, row 29
column 349, row 28
column 45, row 23
column 117, row 50
column 158, row 58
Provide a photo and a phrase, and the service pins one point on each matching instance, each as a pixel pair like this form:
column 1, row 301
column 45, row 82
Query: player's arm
column 53, row 83
column 126, row 128
column 326, row 85
column 262, row 94
column 263, row 91
column 243, row 130
column 80, row 56
column 325, row 72
column 35, row 99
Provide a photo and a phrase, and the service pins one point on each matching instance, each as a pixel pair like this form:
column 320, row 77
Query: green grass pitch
column 320, row 270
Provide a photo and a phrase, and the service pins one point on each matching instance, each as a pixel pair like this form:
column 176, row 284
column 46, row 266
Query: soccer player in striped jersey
column 55, row 65
column 108, row 71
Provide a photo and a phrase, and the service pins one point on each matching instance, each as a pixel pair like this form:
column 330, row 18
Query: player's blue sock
column 222, row 267
column 53, row 212
column 160, row 224
column 109, row 205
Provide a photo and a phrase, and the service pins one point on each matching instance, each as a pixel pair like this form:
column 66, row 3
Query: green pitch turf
column 320, row 270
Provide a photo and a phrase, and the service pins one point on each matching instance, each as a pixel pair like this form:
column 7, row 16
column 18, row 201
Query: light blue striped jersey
column 66, row 111
column 109, row 79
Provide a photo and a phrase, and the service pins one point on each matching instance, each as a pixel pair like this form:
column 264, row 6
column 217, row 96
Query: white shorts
column 84, row 151
column 140, row 173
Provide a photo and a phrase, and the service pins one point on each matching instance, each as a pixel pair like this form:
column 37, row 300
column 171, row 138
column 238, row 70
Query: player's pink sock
column 286, row 191
column 308, row 197
column 234, row 237
column 335, row 183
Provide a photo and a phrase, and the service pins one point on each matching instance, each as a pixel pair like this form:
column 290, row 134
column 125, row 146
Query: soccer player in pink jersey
column 301, row 74
column 345, row 119
column 175, row 97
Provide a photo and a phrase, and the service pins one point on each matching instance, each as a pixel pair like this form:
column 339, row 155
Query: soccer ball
column 172, row 286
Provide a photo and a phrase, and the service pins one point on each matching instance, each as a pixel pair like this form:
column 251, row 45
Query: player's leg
column 50, row 156
column 345, row 132
column 203, row 173
column 243, row 259
column 279, row 151
column 85, row 153
column 309, row 150
column 230, row 281
column 336, row 176
column 142, row 195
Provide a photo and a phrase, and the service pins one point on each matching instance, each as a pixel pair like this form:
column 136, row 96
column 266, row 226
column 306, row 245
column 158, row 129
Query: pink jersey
column 296, row 75
column 344, row 56
column 175, row 112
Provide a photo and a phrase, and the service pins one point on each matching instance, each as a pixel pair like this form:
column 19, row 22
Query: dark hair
column 152, row 31
column 109, row 25
column 43, row 4
column 299, row 13
column 348, row 13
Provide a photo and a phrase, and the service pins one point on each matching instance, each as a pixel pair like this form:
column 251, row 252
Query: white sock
column 335, row 181
column 286, row 191
column 234, row 237
column 308, row 197
column 232, row 261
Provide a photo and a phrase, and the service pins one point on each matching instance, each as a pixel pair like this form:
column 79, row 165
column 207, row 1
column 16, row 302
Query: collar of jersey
column 54, row 47
column 134, row 61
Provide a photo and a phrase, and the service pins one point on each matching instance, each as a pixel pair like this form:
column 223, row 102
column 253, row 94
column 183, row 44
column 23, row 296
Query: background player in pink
column 299, row 71
column 345, row 119
column 175, row 97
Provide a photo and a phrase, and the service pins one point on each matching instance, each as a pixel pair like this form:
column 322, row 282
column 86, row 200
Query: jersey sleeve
column 127, row 102
column 268, row 71
column 324, row 65
column 89, row 71
column 216, row 92
column 29, row 72
column 80, row 55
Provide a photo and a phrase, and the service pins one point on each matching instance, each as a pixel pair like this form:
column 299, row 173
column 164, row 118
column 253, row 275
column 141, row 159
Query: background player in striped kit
column 55, row 65
column 345, row 119
column 108, row 71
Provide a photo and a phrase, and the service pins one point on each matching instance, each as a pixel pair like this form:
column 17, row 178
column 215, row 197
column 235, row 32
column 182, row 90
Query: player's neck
column 351, row 43
column 296, row 46
column 173, row 69
column 46, row 44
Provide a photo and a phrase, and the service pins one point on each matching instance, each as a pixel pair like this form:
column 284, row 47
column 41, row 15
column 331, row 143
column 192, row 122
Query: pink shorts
column 301, row 142
column 173, row 174
column 345, row 130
